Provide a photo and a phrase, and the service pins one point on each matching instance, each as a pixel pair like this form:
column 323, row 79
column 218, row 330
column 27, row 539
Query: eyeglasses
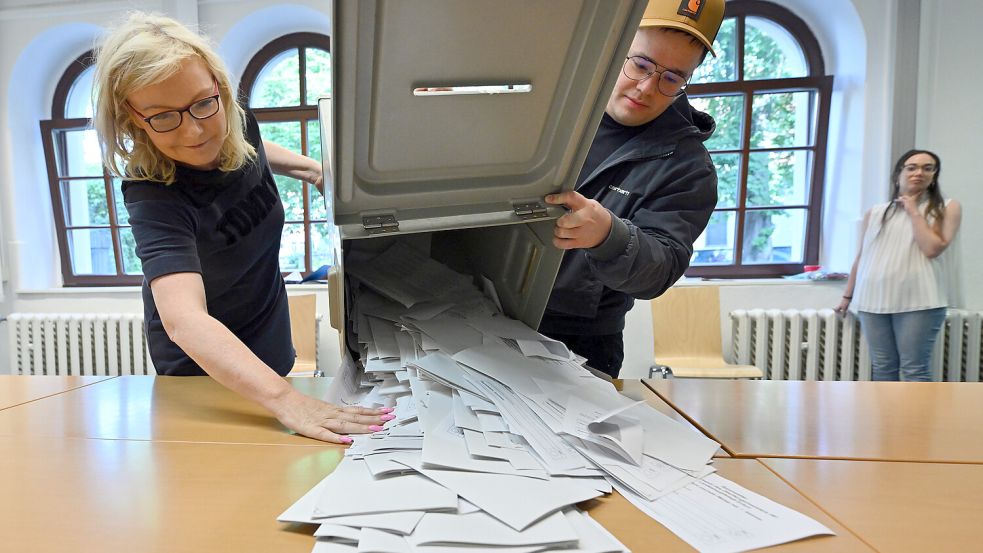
column 911, row 168
column 638, row 68
column 167, row 121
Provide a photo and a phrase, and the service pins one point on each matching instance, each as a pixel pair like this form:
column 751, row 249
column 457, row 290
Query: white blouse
column 894, row 276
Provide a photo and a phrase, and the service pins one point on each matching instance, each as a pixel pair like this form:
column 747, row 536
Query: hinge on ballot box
column 378, row 224
column 529, row 210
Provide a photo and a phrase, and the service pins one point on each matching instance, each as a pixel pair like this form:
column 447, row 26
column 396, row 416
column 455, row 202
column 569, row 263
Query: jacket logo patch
column 621, row 191
column 691, row 8
column 248, row 212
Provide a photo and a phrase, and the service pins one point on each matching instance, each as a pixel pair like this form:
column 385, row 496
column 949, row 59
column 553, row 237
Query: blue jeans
column 901, row 343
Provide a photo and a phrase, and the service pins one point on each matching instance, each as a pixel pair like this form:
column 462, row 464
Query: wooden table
column 894, row 421
column 181, row 464
column 895, row 506
column 102, row 496
column 641, row 534
column 184, row 409
column 639, row 392
column 17, row 390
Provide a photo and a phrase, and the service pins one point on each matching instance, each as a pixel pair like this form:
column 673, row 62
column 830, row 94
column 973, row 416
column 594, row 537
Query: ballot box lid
column 448, row 114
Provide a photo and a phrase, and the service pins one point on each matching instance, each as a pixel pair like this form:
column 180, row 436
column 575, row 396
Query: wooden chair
column 303, row 330
column 686, row 329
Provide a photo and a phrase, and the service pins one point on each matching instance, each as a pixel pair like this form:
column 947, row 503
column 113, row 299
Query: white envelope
column 353, row 491
column 402, row 522
column 378, row 541
column 482, row 529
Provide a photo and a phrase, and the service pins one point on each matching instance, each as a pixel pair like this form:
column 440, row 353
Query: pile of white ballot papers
column 500, row 432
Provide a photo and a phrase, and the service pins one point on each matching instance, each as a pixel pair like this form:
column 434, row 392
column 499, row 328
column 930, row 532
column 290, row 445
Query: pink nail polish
column 375, row 428
column 387, row 417
column 388, row 409
column 346, row 440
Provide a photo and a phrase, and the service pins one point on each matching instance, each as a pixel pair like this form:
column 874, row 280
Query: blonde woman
column 207, row 218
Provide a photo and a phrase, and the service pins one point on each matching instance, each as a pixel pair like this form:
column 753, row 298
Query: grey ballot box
column 450, row 120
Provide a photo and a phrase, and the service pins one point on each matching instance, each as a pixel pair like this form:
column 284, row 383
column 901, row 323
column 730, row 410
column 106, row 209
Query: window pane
column 724, row 66
column 82, row 157
column 782, row 119
column 131, row 263
column 728, row 176
column 778, row 178
column 716, row 245
column 774, row 236
column 122, row 216
column 314, row 139
column 770, row 51
column 319, row 211
column 84, row 202
column 318, row 202
column 728, row 112
column 79, row 101
column 324, row 244
column 278, row 83
column 91, row 252
column 292, row 195
column 318, row 74
column 286, row 134
column 292, row 248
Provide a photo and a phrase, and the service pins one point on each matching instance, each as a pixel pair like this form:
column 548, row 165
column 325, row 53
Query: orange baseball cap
column 700, row 18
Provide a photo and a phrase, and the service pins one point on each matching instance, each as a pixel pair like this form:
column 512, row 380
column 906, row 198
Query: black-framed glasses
column 929, row 168
column 167, row 121
column 638, row 68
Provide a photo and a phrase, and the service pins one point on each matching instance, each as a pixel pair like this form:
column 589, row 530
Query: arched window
column 768, row 92
column 281, row 85
column 96, row 244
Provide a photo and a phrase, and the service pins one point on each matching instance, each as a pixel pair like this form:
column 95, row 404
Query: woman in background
column 905, row 274
column 207, row 219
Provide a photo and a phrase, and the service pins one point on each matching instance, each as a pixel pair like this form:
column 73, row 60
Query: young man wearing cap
column 646, row 190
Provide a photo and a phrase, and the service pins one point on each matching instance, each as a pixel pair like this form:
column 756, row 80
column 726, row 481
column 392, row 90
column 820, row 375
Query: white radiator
column 820, row 345
column 78, row 344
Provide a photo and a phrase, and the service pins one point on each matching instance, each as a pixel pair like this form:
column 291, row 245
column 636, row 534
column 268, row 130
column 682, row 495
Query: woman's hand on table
column 325, row 421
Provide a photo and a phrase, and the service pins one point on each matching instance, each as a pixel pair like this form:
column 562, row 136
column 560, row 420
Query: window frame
column 56, row 148
column 302, row 114
column 816, row 81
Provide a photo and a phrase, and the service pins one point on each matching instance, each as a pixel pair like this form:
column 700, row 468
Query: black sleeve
column 657, row 241
column 165, row 232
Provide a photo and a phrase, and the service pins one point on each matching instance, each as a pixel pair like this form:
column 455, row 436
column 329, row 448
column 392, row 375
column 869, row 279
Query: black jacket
column 661, row 188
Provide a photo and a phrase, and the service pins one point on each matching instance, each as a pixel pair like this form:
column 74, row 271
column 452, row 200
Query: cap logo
column 691, row 8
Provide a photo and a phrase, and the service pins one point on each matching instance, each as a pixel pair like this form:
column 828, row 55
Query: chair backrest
column 303, row 330
column 686, row 322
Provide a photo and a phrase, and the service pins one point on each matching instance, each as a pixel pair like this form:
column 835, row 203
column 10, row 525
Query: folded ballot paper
column 500, row 432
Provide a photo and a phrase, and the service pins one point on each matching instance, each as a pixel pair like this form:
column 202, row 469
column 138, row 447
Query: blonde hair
column 144, row 50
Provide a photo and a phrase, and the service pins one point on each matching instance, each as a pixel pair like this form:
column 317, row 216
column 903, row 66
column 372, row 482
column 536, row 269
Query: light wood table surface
column 100, row 496
column 91, row 495
column 158, row 408
column 894, row 506
column 16, row 390
column 892, row 421
column 634, row 389
column 642, row 534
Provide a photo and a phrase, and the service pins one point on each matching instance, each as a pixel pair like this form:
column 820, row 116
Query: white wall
column 950, row 118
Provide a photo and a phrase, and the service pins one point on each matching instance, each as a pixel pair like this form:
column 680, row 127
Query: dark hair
column 935, row 201
column 692, row 39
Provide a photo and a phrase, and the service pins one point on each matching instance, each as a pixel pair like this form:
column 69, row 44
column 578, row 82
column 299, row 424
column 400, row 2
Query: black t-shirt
column 610, row 136
column 227, row 227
